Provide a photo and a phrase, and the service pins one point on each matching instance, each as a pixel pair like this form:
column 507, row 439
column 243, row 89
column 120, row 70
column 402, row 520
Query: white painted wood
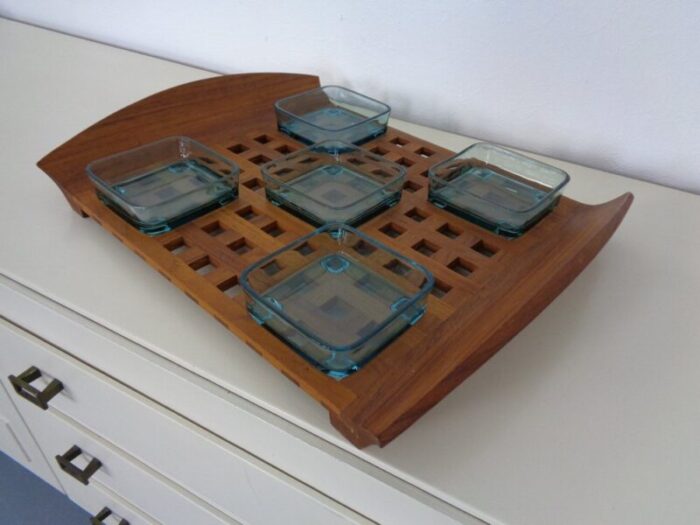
column 15, row 439
column 9, row 444
column 228, row 478
column 95, row 496
column 142, row 487
column 589, row 415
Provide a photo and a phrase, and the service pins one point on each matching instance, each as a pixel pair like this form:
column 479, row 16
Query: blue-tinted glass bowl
column 336, row 296
column 163, row 184
column 332, row 113
column 496, row 188
column 333, row 182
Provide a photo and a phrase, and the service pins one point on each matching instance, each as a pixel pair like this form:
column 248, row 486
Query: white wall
column 610, row 84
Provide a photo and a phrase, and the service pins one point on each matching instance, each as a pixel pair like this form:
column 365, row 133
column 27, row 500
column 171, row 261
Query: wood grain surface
column 487, row 287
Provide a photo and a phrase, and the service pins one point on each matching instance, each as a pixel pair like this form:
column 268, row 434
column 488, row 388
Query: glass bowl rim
column 401, row 175
column 235, row 169
column 323, row 88
column 421, row 293
column 554, row 190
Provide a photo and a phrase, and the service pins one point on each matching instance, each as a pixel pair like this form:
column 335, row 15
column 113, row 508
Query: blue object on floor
column 27, row 499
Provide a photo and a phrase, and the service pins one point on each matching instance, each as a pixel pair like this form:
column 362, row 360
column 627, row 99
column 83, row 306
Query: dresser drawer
column 99, row 501
column 115, row 470
column 226, row 477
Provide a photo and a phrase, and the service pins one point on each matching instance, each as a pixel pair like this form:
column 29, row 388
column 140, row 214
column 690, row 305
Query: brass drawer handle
column 41, row 398
column 83, row 475
column 98, row 519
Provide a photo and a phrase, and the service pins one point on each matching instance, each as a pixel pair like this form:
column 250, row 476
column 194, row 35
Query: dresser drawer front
column 95, row 497
column 135, row 483
column 219, row 473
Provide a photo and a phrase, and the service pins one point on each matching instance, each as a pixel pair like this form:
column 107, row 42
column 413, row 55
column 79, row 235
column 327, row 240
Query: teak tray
column 487, row 287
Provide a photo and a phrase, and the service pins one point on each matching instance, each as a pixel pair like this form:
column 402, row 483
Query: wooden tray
column 488, row 288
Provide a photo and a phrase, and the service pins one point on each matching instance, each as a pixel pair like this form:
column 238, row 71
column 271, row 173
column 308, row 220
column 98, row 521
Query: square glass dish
column 333, row 182
column 332, row 113
column 160, row 185
column 496, row 188
column 336, row 296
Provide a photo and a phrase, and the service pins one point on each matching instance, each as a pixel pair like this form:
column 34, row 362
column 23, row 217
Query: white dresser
column 140, row 407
